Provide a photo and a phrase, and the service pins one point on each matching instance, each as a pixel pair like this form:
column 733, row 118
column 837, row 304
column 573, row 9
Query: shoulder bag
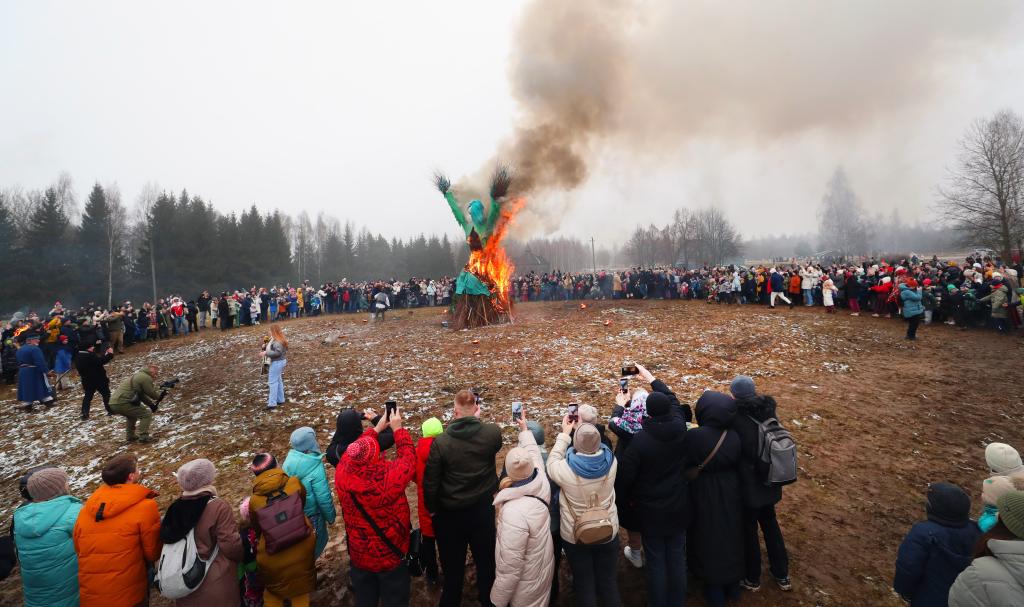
column 410, row 560
column 693, row 473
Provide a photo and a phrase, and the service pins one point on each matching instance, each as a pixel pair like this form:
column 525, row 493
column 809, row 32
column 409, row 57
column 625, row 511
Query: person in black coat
column 224, row 312
column 94, row 377
column 349, row 427
column 716, row 534
column 651, row 476
column 758, row 499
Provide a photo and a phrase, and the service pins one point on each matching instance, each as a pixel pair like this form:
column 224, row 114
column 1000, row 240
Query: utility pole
column 593, row 255
column 152, row 266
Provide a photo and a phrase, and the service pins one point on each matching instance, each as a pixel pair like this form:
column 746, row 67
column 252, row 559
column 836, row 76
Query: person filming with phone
column 459, row 483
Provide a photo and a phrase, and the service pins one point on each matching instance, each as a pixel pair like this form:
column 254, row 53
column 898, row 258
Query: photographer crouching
column 137, row 399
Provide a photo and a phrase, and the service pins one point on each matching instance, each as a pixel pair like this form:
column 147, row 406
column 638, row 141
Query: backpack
column 180, row 570
column 283, row 522
column 594, row 525
column 776, row 453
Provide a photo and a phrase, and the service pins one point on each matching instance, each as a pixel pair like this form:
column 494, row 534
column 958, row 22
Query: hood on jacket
column 269, row 482
column 665, row 428
column 302, row 464
column 464, row 427
column 111, row 500
column 715, row 409
column 538, row 486
column 349, row 425
column 591, row 466
column 36, row 518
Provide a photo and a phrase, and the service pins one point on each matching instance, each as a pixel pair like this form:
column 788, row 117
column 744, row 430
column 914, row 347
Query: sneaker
column 874, row 316
column 784, row 583
column 750, row 586
column 855, row 314
column 635, row 557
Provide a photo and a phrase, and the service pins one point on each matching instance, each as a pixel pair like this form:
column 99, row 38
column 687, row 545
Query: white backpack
column 180, row 570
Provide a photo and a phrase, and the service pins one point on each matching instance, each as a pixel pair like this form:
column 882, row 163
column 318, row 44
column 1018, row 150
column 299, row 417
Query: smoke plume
column 648, row 76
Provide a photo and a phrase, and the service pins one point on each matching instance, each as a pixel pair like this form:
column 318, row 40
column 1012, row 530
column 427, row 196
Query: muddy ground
column 876, row 418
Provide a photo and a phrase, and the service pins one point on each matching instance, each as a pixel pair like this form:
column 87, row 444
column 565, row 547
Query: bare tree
column 683, row 236
column 717, row 239
column 117, row 229
column 841, row 225
column 143, row 205
column 984, row 198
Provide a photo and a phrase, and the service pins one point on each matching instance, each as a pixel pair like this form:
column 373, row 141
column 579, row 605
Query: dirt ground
column 876, row 418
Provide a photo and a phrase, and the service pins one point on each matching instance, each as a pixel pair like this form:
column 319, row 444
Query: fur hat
column 195, row 476
column 303, row 440
column 1011, row 512
column 519, row 465
column 47, row 484
column 586, row 440
column 742, row 386
column 994, row 488
column 1003, row 459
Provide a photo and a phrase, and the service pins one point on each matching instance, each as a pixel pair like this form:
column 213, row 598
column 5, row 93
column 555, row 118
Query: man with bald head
column 459, row 482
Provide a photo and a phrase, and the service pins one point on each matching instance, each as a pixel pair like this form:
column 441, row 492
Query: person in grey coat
column 996, row 576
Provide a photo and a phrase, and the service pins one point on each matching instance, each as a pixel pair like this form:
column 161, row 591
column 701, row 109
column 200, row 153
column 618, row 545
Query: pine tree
column 94, row 248
column 8, row 248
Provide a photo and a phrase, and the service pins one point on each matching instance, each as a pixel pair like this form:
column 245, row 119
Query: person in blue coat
column 32, row 368
column 935, row 551
column 306, row 462
column 913, row 309
column 43, row 536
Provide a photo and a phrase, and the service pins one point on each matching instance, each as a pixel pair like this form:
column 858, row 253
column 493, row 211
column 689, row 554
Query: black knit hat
column 948, row 505
column 657, row 404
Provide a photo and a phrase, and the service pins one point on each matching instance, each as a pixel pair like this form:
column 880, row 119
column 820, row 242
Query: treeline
column 103, row 252
column 693, row 238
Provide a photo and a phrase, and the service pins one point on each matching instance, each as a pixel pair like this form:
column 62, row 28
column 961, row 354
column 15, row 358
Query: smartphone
column 624, row 385
column 630, row 370
column 517, row 411
column 573, row 412
column 389, row 408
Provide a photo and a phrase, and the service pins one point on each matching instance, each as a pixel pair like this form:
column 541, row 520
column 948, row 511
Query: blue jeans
column 666, row 569
column 276, row 383
column 809, row 297
column 180, row 325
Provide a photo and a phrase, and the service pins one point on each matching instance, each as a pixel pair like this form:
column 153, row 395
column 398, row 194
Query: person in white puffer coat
column 524, row 553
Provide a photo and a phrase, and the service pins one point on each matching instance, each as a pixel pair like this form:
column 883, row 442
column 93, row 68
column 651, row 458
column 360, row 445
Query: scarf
column 590, row 466
column 182, row 517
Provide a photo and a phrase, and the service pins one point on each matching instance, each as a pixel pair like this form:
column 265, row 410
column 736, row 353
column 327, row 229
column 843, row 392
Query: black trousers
column 456, row 530
column 778, row 558
column 386, row 588
column 912, row 324
column 90, row 391
column 428, row 555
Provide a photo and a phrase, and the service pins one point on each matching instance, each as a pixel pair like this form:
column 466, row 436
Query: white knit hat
column 1003, row 459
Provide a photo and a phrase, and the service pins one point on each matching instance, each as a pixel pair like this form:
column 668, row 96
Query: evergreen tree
column 8, row 247
column 93, row 247
column 44, row 251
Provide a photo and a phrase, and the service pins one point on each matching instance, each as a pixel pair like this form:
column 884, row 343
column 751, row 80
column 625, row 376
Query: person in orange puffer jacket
column 117, row 536
column 428, row 547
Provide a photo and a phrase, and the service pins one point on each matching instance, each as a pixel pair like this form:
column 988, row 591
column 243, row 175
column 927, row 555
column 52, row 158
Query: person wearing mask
column 117, row 538
column 428, row 546
column 458, row 485
column 371, row 490
column 289, row 574
column 651, row 475
column 305, row 461
column 133, row 399
column 277, row 352
column 90, row 365
column 995, row 578
column 585, row 474
column 936, row 550
column 349, row 427
column 200, row 510
column 716, row 535
column 43, row 531
column 524, row 558
column 759, row 499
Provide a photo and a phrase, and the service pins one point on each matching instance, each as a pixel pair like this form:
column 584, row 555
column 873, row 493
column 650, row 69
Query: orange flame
column 491, row 264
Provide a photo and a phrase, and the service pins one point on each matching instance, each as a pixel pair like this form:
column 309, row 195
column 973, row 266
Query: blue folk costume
column 32, row 384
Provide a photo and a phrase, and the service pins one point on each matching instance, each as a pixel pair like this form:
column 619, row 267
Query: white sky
column 348, row 107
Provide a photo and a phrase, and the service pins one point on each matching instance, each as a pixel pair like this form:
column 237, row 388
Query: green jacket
column 460, row 468
column 997, row 298
column 140, row 384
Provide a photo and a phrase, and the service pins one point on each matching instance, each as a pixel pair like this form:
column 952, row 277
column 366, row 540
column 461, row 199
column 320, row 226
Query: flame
column 491, row 264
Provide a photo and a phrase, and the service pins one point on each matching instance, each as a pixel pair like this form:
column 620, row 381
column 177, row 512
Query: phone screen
column 630, row 370
column 574, row 412
column 389, row 408
column 624, row 385
column 517, row 411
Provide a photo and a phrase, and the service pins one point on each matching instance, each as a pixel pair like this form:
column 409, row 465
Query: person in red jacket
column 371, row 486
column 116, row 536
column 428, row 548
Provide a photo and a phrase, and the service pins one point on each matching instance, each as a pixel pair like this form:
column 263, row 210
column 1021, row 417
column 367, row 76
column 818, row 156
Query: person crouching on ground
column 305, row 461
column 277, row 352
column 524, row 561
column 133, row 399
column 43, row 535
column 117, row 537
column 371, row 490
column 214, row 526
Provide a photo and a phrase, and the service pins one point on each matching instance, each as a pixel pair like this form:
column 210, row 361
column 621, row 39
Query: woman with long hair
column 277, row 352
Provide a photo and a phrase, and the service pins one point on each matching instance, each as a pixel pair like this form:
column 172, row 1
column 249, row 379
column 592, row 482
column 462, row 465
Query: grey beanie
column 742, row 386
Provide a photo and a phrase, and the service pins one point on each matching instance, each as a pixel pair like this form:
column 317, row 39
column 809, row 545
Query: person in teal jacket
column 42, row 534
column 913, row 310
column 306, row 462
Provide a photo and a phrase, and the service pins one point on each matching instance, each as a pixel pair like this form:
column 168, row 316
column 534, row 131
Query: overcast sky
column 348, row 107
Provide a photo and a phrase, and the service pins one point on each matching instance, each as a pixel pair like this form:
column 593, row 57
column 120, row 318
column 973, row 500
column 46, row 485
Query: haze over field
column 618, row 111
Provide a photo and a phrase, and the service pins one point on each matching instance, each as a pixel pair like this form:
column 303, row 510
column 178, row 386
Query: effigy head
column 476, row 211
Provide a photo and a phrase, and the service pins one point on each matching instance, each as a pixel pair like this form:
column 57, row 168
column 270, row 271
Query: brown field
column 876, row 417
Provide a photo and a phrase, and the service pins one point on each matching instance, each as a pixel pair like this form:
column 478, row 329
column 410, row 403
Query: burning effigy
column 482, row 288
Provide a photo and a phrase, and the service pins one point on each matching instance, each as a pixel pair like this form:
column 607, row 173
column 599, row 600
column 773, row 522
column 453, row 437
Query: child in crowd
column 428, row 548
column 249, row 585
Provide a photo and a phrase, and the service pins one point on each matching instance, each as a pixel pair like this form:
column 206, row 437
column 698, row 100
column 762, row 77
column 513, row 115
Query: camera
column 170, row 383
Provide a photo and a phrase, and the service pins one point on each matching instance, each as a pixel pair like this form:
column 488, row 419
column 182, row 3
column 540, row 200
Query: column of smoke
column 647, row 77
